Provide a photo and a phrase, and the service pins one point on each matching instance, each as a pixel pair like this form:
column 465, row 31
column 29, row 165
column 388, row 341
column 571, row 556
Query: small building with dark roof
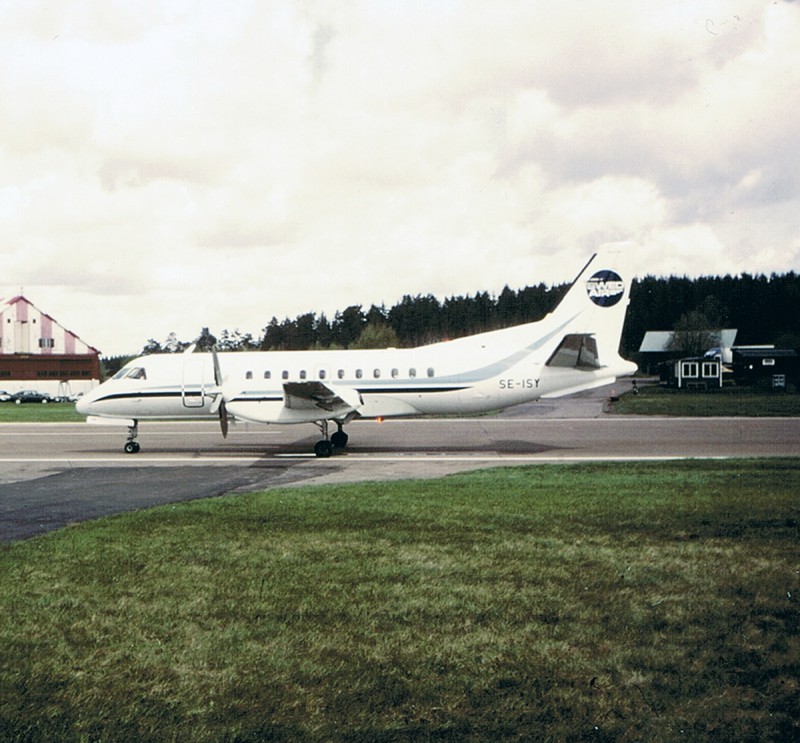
column 778, row 368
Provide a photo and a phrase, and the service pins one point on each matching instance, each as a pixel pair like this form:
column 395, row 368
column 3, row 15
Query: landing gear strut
column 132, row 445
column 339, row 439
column 325, row 447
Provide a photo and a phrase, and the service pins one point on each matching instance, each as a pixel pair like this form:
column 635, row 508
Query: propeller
column 219, row 403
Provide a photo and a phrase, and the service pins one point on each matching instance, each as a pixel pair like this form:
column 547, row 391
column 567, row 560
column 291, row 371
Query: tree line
column 763, row 308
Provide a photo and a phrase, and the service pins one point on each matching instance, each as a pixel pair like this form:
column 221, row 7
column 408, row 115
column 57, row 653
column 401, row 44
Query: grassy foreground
column 623, row 602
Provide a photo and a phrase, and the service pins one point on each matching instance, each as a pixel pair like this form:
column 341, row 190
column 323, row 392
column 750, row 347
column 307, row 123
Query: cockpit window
column 128, row 372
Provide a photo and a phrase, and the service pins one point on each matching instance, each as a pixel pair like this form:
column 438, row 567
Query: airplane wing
column 321, row 397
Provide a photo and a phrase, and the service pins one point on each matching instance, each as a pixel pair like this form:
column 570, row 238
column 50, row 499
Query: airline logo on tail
column 605, row 288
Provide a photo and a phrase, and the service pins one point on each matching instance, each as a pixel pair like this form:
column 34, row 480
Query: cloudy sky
column 172, row 164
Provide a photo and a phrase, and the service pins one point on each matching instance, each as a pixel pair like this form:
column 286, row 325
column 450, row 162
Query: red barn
column 38, row 353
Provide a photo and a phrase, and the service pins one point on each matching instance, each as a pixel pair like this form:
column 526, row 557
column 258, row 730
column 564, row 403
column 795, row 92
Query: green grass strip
column 624, row 602
column 728, row 402
column 52, row 412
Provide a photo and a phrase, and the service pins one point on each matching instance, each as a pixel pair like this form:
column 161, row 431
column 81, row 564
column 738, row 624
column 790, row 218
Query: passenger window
column 395, row 373
column 412, row 373
column 376, row 373
column 303, row 374
column 267, row 375
column 322, row 374
column 430, row 371
column 284, row 374
column 248, row 375
column 340, row 373
column 359, row 373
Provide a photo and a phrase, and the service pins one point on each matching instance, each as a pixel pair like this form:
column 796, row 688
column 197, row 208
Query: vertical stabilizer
column 596, row 303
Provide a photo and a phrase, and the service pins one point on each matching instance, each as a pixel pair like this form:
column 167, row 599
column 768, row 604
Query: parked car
column 4, row 396
column 29, row 396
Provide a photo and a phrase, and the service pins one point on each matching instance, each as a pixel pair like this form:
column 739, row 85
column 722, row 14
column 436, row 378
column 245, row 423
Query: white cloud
column 188, row 164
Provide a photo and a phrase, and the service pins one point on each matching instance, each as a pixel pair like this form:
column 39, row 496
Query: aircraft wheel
column 132, row 447
column 339, row 440
column 323, row 448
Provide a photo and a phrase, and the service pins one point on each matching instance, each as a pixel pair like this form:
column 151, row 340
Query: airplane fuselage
column 472, row 375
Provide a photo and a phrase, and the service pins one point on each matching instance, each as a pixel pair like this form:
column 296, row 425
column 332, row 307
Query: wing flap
column 320, row 396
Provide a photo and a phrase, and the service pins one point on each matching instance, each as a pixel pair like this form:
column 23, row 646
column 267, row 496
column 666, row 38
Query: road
column 55, row 474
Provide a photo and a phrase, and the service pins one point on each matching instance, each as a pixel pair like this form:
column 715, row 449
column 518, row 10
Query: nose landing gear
column 132, row 445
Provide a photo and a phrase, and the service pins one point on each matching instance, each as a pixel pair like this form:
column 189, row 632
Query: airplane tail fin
column 587, row 323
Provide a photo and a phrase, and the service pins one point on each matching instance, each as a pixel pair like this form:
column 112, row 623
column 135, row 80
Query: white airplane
column 574, row 348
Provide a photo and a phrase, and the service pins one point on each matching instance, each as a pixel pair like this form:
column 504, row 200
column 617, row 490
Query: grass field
column 53, row 412
column 656, row 400
column 624, row 602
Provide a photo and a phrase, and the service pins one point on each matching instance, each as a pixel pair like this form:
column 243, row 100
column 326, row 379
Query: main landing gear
column 328, row 445
column 132, row 445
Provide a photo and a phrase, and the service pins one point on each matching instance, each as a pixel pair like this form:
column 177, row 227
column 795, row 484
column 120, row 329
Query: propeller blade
column 218, row 406
column 217, row 370
column 223, row 418
column 216, row 402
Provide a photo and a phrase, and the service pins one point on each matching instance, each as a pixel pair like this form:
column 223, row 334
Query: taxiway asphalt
column 52, row 475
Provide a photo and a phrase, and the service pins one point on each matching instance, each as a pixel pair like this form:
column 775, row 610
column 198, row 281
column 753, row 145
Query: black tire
column 339, row 440
column 131, row 447
column 323, row 448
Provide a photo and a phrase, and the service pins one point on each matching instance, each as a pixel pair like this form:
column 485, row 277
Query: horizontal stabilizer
column 576, row 351
column 591, row 385
column 319, row 396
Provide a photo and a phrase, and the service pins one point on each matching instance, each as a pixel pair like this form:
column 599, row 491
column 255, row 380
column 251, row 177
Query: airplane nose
column 82, row 405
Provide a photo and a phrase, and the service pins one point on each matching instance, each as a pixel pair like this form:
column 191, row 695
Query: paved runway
column 55, row 474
